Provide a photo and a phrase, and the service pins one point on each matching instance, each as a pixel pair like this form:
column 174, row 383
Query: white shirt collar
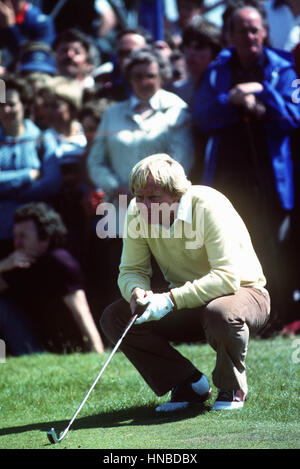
column 185, row 208
column 154, row 101
column 184, row 212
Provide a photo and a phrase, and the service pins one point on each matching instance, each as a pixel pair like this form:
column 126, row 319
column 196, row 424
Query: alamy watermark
column 2, row 92
column 2, row 351
column 296, row 353
column 156, row 222
column 296, row 93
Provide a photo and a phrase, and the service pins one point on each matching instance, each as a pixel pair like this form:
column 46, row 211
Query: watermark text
column 156, row 221
column 2, row 351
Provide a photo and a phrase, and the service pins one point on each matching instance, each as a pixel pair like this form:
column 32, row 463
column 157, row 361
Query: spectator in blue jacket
column 245, row 106
column 20, row 22
column 29, row 170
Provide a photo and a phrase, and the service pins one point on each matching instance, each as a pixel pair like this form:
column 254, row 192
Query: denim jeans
column 15, row 329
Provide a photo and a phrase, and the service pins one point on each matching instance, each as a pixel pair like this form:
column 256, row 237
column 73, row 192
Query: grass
column 41, row 391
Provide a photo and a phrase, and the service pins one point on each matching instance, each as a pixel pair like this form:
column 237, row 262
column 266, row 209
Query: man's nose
column 251, row 34
column 17, row 243
column 70, row 53
column 7, row 108
column 147, row 204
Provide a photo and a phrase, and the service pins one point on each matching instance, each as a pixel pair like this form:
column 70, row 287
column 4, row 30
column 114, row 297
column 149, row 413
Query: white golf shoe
column 229, row 400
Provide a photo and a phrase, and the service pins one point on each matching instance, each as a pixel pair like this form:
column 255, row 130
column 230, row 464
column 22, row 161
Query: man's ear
column 265, row 33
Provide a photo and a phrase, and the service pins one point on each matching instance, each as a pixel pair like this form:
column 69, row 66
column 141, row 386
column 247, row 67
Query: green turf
column 41, row 391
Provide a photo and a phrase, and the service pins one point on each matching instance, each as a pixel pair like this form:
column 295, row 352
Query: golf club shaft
column 132, row 320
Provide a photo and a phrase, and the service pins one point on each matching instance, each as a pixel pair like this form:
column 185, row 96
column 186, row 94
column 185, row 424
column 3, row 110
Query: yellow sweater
column 205, row 254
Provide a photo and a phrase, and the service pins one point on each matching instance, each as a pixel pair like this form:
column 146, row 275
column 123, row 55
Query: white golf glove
column 159, row 304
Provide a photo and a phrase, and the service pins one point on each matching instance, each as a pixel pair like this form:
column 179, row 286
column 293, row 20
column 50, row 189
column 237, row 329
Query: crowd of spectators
column 87, row 92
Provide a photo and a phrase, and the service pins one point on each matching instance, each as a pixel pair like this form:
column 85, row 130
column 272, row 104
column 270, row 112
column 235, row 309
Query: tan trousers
column 227, row 322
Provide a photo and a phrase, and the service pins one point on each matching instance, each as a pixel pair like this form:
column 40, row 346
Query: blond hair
column 166, row 172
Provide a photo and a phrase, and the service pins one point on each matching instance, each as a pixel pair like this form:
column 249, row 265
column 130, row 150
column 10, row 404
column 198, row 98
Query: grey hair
column 148, row 56
column 243, row 6
column 166, row 172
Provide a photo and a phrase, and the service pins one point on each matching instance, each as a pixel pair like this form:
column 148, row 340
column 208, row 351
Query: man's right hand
column 35, row 174
column 138, row 294
column 17, row 259
column 243, row 95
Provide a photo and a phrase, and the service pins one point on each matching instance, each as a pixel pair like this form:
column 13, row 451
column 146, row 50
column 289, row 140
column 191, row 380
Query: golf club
column 51, row 434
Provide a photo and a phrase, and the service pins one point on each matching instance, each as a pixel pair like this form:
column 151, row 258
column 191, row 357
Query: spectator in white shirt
column 152, row 120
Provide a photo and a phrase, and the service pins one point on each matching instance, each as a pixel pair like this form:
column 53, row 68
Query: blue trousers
column 15, row 329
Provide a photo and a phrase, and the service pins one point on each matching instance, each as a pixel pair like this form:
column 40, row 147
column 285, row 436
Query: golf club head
column 52, row 437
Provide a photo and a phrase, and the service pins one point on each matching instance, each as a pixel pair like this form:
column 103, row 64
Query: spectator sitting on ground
column 43, row 302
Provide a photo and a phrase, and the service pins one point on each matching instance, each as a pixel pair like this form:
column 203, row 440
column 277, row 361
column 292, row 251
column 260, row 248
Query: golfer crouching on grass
column 216, row 284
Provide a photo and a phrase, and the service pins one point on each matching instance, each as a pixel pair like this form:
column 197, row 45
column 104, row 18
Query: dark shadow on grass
column 146, row 415
column 135, row 416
